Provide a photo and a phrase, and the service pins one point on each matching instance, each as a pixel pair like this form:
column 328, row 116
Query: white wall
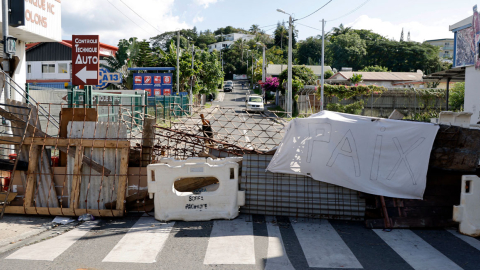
column 36, row 71
column 472, row 93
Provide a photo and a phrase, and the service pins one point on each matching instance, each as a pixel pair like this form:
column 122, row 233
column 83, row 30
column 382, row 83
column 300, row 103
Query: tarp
column 372, row 155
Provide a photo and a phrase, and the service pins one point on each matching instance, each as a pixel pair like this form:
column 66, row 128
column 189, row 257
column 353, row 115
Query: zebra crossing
column 290, row 244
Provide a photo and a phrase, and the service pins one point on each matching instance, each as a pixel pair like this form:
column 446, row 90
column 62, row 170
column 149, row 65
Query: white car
column 254, row 103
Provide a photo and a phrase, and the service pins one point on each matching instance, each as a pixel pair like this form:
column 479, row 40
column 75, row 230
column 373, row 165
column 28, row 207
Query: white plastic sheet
column 377, row 156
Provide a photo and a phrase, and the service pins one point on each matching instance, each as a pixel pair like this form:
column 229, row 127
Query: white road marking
column 142, row 243
column 415, row 251
column 322, row 245
column 277, row 258
column 231, row 242
column 50, row 249
column 469, row 240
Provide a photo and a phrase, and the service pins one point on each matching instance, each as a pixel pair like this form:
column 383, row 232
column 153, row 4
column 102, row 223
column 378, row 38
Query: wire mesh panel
column 294, row 195
column 12, row 133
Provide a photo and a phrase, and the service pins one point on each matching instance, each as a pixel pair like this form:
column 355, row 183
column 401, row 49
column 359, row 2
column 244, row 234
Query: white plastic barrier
column 468, row 212
column 219, row 201
column 461, row 119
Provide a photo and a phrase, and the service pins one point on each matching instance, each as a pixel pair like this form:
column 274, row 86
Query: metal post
column 191, row 82
column 448, row 91
column 323, row 63
column 289, row 96
column 178, row 61
column 263, row 65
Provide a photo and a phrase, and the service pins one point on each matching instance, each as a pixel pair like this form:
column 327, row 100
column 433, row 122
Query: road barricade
column 216, row 201
column 468, row 212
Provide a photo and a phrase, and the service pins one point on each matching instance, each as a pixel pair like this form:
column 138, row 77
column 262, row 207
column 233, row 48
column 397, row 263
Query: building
column 466, row 61
column 228, row 40
column 446, row 47
column 385, row 79
column 51, row 62
column 274, row 70
column 43, row 23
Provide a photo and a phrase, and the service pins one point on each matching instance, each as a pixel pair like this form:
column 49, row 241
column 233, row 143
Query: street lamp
column 289, row 91
column 263, row 62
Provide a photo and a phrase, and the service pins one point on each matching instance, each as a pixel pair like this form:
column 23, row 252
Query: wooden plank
column 122, row 181
column 38, row 133
column 77, row 178
column 31, row 176
column 74, row 114
column 61, row 211
column 65, row 142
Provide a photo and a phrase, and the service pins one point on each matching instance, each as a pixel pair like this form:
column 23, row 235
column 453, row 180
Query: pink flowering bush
column 271, row 84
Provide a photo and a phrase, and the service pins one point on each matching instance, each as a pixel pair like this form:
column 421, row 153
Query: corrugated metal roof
column 380, row 76
column 461, row 23
column 275, row 70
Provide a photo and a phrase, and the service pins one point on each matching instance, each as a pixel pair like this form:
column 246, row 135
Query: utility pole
column 289, row 97
column 323, row 63
column 263, row 65
column 178, row 61
column 191, row 81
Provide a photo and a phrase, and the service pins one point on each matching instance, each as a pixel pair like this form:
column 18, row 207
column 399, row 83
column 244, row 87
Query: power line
column 140, row 16
column 314, row 11
column 350, row 11
column 309, row 27
column 267, row 26
column 127, row 17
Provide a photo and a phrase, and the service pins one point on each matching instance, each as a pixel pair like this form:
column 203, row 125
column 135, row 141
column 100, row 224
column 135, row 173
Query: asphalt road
column 248, row 242
column 260, row 130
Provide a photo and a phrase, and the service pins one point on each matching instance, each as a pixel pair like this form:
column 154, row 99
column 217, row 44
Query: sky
column 121, row 19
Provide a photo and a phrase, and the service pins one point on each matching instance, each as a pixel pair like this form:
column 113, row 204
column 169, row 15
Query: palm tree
column 340, row 30
column 254, row 29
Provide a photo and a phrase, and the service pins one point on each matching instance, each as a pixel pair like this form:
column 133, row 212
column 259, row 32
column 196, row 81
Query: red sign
column 167, row 79
column 147, row 79
column 138, row 79
column 166, row 92
column 85, row 59
column 158, row 92
column 157, row 79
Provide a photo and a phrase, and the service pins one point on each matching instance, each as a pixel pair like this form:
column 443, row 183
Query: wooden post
column 122, row 180
column 77, row 178
column 147, row 140
column 31, row 175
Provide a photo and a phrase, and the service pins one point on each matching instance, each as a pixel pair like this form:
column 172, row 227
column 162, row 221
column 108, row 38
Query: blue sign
column 155, row 84
column 105, row 77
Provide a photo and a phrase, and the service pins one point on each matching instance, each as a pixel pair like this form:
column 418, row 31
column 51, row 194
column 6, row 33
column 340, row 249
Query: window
column 29, row 69
column 447, row 43
column 48, row 68
column 62, row 68
column 446, row 52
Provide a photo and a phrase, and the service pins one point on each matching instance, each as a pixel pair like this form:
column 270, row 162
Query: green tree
column 309, row 51
column 300, row 73
column 340, row 30
column 374, row 68
column 327, row 74
column 347, row 50
column 254, row 29
column 457, row 97
column 356, row 78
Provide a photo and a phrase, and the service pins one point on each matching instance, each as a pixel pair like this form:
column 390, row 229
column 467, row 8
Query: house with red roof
column 51, row 62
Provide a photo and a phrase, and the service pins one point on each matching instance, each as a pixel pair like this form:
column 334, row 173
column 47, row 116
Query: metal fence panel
column 294, row 195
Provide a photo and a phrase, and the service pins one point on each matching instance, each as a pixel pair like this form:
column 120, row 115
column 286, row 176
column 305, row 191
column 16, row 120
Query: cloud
column 418, row 31
column 197, row 19
column 205, row 3
column 105, row 18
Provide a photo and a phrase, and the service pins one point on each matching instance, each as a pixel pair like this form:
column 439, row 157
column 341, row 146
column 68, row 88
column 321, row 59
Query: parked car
column 228, row 87
column 254, row 103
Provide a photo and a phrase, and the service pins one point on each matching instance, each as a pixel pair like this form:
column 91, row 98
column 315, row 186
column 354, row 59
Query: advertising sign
column 155, row 84
column 85, row 59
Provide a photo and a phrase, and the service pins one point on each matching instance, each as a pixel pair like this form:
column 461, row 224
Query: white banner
column 377, row 156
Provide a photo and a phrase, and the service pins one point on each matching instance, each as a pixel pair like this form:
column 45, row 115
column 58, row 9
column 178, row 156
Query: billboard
column 155, row 84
